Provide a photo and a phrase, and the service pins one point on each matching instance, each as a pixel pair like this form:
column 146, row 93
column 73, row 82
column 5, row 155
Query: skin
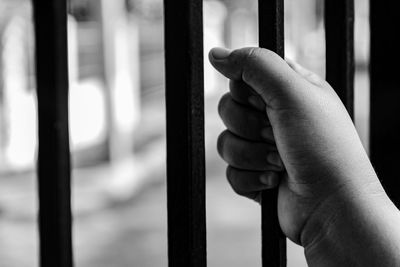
column 287, row 127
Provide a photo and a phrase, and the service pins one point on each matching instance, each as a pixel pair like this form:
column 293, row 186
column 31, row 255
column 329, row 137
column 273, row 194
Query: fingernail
column 256, row 102
column 275, row 159
column 220, row 53
column 265, row 179
column 270, row 179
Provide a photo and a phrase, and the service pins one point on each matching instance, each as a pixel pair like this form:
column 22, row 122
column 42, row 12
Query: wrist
column 353, row 227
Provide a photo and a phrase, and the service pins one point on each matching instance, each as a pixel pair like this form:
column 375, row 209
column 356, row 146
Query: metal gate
column 185, row 120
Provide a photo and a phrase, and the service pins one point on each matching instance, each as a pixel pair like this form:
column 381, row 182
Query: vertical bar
column 271, row 36
column 50, row 23
column 339, row 33
column 185, row 133
column 385, row 95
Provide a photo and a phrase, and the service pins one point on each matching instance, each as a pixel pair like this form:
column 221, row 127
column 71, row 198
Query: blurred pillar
column 122, row 90
column 241, row 28
column 121, row 75
column 214, row 20
column 305, row 34
column 301, row 19
column 19, row 106
column 73, row 62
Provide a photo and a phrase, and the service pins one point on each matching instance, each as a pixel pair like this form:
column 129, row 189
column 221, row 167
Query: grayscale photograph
column 195, row 133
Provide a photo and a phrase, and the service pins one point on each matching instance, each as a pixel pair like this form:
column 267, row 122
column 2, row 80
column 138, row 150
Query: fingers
column 244, row 121
column 245, row 95
column 264, row 71
column 248, row 155
column 250, row 183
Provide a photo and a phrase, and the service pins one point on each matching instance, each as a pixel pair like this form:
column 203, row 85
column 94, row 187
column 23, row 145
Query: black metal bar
column 185, row 133
column 271, row 36
column 339, row 33
column 53, row 156
column 385, row 96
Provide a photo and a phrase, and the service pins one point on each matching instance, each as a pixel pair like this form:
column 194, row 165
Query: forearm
column 365, row 231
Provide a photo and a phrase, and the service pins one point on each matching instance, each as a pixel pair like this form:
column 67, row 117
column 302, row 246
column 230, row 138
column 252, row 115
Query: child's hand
column 288, row 127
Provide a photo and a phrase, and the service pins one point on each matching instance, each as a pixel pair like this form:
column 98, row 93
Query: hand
column 287, row 127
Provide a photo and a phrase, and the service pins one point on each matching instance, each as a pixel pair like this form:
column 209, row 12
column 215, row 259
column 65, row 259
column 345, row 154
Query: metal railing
column 185, row 121
column 50, row 21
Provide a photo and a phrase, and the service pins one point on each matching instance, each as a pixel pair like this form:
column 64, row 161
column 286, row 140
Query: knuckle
column 230, row 150
column 315, row 79
column 234, row 179
column 222, row 105
column 230, row 176
column 255, row 53
column 234, row 184
column 252, row 52
column 251, row 56
column 221, row 143
column 236, row 157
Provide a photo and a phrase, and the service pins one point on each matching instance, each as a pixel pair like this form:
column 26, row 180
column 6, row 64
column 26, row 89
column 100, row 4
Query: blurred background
column 117, row 128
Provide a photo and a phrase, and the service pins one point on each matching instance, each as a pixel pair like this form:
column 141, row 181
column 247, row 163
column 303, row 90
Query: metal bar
column 384, row 96
column 185, row 133
column 50, row 23
column 271, row 36
column 339, row 33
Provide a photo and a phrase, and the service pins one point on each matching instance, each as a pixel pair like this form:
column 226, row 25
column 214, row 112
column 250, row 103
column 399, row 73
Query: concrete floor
column 134, row 233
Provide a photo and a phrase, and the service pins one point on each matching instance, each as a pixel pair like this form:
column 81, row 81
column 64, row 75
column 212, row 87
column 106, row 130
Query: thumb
column 266, row 72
